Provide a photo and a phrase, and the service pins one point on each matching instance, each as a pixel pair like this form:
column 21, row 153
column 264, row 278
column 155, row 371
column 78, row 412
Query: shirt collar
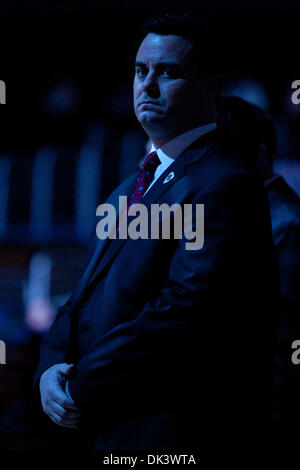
column 172, row 149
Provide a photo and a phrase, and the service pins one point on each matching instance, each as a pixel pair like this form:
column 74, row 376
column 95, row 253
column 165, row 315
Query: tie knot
column 151, row 161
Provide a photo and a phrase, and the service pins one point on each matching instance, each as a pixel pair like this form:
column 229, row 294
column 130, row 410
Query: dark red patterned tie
column 145, row 178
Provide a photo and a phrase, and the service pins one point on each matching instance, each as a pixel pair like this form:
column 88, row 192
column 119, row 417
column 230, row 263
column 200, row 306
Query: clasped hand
column 59, row 406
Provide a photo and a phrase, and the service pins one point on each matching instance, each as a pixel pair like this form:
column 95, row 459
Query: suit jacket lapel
column 178, row 167
column 125, row 189
column 152, row 195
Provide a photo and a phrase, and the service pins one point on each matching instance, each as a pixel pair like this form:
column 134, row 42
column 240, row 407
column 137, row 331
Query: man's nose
column 150, row 85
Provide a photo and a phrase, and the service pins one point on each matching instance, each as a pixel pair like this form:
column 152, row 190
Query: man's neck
column 161, row 141
column 174, row 147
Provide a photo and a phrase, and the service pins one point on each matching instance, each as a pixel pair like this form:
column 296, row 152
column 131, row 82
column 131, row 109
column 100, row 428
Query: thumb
column 66, row 369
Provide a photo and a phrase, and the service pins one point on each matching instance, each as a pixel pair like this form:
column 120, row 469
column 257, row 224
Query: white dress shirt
column 172, row 149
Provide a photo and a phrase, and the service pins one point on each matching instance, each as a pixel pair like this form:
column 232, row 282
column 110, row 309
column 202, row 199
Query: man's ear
column 263, row 166
column 214, row 85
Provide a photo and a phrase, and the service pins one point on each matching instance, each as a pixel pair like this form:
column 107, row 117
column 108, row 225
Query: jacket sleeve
column 287, row 374
column 54, row 345
column 173, row 337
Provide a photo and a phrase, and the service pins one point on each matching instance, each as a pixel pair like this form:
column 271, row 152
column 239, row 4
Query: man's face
column 170, row 96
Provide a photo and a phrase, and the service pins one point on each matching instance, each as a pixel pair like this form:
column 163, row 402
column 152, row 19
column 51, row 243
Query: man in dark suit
column 285, row 214
column 160, row 346
column 244, row 122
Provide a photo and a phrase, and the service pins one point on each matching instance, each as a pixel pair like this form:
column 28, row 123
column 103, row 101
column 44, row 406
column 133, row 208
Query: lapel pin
column 169, row 177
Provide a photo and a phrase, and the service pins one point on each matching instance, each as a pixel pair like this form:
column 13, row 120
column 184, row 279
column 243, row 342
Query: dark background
column 68, row 69
column 92, row 45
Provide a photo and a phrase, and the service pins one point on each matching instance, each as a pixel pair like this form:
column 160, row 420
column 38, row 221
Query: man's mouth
column 149, row 102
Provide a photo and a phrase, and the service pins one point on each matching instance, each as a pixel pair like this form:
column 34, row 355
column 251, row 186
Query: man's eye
column 169, row 73
column 141, row 72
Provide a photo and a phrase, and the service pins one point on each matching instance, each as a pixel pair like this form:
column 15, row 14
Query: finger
column 70, row 399
column 66, row 369
column 50, row 406
column 70, row 406
column 56, row 393
column 63, row 412
column 62, row 422
column 67, row 402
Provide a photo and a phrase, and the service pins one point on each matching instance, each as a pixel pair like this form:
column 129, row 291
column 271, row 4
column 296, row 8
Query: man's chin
column 150, row 117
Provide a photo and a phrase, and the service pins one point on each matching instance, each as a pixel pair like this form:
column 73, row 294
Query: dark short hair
column 246, row 126
column 193, row 28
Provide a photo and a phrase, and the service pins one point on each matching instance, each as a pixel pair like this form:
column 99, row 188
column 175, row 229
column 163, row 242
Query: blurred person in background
column 251, row 130
column 161, row 347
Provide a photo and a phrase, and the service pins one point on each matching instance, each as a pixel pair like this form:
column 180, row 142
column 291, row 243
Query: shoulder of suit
column 219, row 158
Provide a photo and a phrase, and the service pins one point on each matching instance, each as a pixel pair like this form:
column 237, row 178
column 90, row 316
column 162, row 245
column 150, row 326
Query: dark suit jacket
column 285, row 215
column 179, row 343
